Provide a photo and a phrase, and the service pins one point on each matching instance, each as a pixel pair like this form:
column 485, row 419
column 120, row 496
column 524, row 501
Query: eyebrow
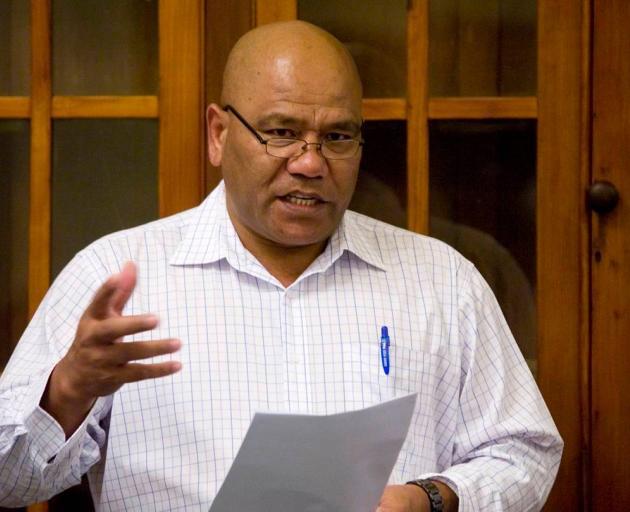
column 287, row 120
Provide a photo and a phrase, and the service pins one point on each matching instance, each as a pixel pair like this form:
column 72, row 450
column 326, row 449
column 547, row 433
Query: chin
column 299, row 238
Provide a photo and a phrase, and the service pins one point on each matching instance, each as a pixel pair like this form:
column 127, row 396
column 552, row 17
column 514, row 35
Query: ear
column 216, row 122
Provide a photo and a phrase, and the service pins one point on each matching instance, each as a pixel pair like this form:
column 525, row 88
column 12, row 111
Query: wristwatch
column 435, row 498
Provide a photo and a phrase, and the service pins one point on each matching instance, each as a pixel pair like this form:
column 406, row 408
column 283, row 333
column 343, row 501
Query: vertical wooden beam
column 610, row 306
column 40, row 158
column 277, row 10
column 226, row 22
column 562, row 241
column 40, row 193
column 181, row 105
column 584, row 342
column 417, row 115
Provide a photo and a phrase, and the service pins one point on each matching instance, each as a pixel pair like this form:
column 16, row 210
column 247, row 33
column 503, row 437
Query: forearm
column 501, row 483
column 23, row 465
column 36, row 460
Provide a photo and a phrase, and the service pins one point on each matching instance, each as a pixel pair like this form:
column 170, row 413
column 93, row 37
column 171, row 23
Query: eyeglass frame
column 304, row 148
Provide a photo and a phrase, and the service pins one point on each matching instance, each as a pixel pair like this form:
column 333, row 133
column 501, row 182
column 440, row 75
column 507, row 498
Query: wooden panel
column 16, row 107
column 226, row 22
column 181, row 25
column 562, row 243
column 611, row 257
column 374, row 32
column 417, row 124
column 104, row 106
column 277, row 10
column 479, row 21
column 39, row 223
column 105, row 48
column 377, row 109
column 483, row 108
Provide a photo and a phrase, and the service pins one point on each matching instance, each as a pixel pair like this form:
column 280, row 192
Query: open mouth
column 300, row 200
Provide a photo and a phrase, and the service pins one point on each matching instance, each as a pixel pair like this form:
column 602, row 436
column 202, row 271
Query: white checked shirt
column 249, row 344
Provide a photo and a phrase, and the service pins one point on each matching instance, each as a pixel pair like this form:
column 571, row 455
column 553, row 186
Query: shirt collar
column 358, row 239
column 205, row 237
column 210, row 237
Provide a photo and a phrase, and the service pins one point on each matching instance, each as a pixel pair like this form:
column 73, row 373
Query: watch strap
column 435, row 497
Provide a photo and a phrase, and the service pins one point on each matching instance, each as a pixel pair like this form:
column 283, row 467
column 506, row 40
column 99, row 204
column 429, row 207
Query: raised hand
column 98, row 363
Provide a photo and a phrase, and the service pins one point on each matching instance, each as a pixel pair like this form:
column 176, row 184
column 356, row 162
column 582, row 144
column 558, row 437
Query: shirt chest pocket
column 410, row 370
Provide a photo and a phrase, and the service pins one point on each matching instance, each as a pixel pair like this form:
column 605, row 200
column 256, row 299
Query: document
column 336, row 463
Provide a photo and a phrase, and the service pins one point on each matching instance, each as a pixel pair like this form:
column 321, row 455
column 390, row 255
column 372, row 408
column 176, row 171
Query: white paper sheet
column 336, row 463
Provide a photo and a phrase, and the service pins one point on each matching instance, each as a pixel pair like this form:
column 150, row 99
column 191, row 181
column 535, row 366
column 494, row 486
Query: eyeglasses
column 291, row 147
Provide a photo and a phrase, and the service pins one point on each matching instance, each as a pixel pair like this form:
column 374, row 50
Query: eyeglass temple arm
column 230, row 108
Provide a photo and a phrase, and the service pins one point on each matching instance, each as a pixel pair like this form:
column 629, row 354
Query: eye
column 283, row 133
column 336, row 137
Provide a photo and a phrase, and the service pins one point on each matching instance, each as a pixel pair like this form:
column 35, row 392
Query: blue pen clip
column 385, row 349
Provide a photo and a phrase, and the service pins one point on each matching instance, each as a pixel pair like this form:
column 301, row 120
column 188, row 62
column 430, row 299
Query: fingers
column 125, row 352
column 93, row 370
column 134, row 372
column 113, row 294
column 108, row 330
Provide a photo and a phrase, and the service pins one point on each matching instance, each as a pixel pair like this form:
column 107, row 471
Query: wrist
column 438, row 496
column 62, row 401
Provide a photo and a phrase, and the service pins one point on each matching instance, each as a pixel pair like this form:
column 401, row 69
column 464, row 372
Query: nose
column 310, row 163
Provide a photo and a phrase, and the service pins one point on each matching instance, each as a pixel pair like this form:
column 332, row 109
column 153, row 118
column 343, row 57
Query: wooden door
column 610, row 258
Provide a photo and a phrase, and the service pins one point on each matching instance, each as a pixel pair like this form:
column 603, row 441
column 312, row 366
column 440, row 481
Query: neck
column 286, row 264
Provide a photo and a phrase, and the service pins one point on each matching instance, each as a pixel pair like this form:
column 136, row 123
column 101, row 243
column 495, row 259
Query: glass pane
column 105, row 48
column 374, row 32
column 104, row 180
column 15, row 47
column 483, row 203
column 382, row 185
column 14, row 204
column 482, row 48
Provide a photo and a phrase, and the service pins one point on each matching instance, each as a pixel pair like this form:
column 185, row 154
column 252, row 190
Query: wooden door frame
column 610, row 255
column 564, row 110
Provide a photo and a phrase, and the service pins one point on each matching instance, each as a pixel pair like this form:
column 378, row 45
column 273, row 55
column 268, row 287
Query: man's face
column 299, row 201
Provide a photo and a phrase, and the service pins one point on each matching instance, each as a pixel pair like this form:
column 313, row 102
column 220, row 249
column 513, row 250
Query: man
column 271, row 297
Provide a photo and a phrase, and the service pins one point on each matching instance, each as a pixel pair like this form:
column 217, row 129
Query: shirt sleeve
column 507, row 448
column 36, row 461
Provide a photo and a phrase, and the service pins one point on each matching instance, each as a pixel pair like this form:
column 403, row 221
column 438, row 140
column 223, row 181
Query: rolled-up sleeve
column 507, row 449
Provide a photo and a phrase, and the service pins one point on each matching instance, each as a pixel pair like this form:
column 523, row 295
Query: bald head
column 293, row 53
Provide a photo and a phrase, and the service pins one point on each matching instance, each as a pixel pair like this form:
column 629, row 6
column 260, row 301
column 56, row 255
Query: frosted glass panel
column 483, row 202
column 482, row 48
column 15, row 69
column 375, row 33
column 382, row 184
column 105, row 47
column 14, row 205
column 104, row 179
